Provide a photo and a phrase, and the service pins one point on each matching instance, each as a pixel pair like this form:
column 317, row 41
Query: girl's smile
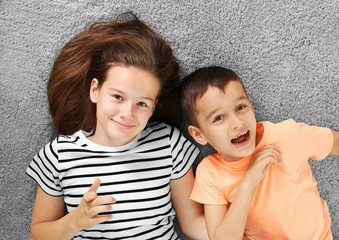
column 122, row 126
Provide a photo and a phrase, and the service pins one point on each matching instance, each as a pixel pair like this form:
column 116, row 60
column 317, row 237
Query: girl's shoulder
column 71, row 137
column 158, row 129
column 157, row 126
column 62, row 141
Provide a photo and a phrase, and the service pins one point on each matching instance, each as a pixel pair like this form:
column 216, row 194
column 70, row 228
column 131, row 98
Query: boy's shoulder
column 282, row 128
column 283, row 124
column 210, row 163
column 291, row 125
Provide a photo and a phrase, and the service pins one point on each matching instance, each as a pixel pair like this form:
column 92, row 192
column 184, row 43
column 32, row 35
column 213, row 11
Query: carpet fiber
column 286, row 52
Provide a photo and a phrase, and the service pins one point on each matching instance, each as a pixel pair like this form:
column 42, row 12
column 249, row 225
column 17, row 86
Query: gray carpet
column 286, row 52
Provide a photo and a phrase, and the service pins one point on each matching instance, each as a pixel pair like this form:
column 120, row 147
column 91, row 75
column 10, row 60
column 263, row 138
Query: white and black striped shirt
column 137, row 175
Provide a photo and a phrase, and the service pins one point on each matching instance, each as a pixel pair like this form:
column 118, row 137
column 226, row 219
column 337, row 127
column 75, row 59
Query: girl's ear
column 93, row 92
column 155, row 104
column 197, row 135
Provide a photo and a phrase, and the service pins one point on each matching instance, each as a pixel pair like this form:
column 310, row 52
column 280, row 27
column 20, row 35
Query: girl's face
column 125, row 102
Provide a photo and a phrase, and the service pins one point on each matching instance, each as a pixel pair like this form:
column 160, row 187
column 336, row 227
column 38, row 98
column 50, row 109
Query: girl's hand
column 261, row 162
column 86, row 214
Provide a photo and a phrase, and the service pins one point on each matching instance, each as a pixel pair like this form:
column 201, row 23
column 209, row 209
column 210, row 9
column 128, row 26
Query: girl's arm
column 189, row 213
column 48, row 219
column 223, row 223
column 335, row 148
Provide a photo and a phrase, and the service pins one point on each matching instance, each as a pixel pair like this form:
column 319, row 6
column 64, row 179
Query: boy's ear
column 197, row 135
column 93, row 92
column 252, row 106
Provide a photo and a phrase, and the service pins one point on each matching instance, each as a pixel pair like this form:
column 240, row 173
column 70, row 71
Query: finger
column 104, row 200
column 100, row 219
column 273, row 157
column 94, row 211
column 265, row 170
column 271, row 154
column 275, row 148
column 269, row 148
column 94, row 186
column 277, row 154
column 90, row 196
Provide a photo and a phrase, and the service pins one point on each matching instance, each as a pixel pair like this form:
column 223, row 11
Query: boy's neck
column 259, row 133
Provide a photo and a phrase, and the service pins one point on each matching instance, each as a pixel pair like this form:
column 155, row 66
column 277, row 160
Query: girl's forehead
column 132, row 80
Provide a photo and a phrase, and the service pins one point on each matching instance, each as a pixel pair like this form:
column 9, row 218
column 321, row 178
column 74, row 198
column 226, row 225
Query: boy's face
column 226, row 121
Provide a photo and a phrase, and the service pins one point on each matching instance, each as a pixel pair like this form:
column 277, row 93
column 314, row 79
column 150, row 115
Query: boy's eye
column 241, row 107
column 218, row 118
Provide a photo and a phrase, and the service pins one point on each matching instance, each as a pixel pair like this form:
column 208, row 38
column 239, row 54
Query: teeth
column 240, row 135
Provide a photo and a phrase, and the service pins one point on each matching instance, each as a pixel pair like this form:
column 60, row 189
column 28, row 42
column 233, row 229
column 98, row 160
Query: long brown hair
column 91, row 53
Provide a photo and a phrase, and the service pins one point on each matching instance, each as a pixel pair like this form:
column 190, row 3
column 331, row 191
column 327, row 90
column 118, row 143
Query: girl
column 118, row 175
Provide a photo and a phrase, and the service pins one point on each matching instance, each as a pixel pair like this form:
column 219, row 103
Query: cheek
column 142, row 116
column 107, row 107
column 146, row 116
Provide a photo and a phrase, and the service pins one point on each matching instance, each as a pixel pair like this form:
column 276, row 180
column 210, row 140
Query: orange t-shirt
column 286, row 203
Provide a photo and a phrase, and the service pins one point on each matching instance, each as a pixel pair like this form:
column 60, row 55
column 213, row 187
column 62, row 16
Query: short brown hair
column 195, row 85
column 91, row 53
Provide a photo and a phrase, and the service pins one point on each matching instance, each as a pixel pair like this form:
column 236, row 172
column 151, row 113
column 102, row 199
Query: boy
column 243, row 193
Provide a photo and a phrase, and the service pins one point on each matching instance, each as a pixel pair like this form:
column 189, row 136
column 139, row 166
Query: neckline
column 242, row 164
column 84, row 138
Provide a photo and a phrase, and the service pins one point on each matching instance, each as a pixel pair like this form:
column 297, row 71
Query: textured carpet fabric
column 286, row 52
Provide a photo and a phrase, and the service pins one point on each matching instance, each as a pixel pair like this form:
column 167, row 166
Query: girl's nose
column 127, row 110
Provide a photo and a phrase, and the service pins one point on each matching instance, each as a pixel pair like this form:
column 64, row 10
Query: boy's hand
column 261, row 162
column 86, row 214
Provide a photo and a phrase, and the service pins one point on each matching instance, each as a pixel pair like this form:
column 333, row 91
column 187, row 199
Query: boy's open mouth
column 241, row 138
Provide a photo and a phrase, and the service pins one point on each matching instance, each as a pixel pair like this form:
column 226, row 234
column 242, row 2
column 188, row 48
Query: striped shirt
column 137, row 175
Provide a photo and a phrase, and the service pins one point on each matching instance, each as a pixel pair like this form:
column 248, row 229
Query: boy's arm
column 335, row 148
column 223, row 223
column 229, row 224
column 190, row 214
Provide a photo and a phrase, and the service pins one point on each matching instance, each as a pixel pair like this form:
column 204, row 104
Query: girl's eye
column 117, row 97
column 217, row 119
column 142, row 104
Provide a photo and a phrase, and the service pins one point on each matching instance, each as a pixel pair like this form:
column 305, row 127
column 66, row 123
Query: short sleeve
column 317, row 141
column 183, row 152
column 43, row 169
column 206, row 189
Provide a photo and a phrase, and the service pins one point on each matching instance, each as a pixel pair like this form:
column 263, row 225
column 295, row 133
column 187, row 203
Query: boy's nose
column 236, row 123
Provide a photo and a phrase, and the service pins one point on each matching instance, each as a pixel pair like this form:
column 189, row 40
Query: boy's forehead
column 231, row 92
column 231, row 89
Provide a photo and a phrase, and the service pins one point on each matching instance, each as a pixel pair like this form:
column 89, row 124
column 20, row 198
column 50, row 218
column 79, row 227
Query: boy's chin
column 242, row 153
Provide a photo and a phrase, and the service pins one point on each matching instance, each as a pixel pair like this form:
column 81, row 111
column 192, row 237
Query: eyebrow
column 123, row 93
column 215, row 110
column 241, row 98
